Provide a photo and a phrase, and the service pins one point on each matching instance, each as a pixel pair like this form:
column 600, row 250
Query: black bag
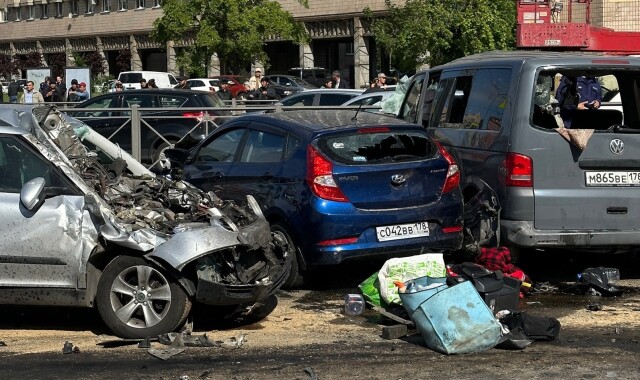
column 499, row 292
column 534, row 327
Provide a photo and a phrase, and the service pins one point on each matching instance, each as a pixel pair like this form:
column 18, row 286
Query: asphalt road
column 306, row 337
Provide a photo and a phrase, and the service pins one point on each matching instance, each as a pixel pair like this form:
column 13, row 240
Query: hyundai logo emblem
column 398, row 179
column 616, row 146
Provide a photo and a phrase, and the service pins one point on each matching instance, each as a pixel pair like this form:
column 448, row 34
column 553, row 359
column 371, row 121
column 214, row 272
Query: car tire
column 296, row 275
column 128, row 308
column 241, row 96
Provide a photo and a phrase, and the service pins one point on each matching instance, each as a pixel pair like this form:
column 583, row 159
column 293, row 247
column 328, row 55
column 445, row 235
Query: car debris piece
column 311, row 373
column 2, row 343
column 601, row 280
column 594, row 307
column 394, row 332
column 69, row 348
column 177, row 346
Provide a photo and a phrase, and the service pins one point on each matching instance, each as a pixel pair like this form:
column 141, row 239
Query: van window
column 585, row 98
column 475, row 101
column 130, row 77
column 409, row 110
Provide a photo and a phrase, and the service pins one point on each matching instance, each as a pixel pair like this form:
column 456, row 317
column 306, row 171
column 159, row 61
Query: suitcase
column 498, row 291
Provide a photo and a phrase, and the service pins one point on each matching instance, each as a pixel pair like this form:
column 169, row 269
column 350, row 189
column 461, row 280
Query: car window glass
column 196, row 83
column 222, row 148
column 130, row 77
column 172, row 80
column 285, row 81
column 292, row 145
column 429, row 97
column 358, row 148
column 18, row 165
column 262, row 147
column 301, row 100
column 409, row 109
column 172, row 101
column 587, row 98
column 144, row 101
column 97, row 107
column 334, row 99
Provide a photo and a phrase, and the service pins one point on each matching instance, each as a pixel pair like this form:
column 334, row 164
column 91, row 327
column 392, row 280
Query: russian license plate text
column 402, row 231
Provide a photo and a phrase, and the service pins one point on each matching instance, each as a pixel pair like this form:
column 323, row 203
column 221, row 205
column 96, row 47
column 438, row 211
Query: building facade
column 340, row 40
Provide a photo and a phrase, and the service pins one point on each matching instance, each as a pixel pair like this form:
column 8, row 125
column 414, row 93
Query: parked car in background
column 317, row 76
column 336, row 189
column 321, row 97
column 237, row 89
column 204, row 84
column 95, row 228
column 371, row 98
column 131, row 79
column 286, row 85
column 176, row 127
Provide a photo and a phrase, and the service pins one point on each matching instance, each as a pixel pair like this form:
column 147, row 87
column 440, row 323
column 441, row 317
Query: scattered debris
column 176, row 347
column 394, row 332
column 69, row 348
column 309, row 371
column 594, row 307
column 205, row 374
column 178, row 342
column 2, row 343
column 601, row 281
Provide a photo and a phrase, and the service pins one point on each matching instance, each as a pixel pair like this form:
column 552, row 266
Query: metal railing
column 210, row 118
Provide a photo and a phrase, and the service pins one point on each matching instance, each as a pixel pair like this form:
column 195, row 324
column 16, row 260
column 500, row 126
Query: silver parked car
column 84, row 224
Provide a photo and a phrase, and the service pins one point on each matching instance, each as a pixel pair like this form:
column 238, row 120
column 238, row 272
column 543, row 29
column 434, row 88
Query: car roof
column 385, row 94
column 539, row 58
column 155, row 91
column 10, row 116
column 330, row 91
column 315, row 121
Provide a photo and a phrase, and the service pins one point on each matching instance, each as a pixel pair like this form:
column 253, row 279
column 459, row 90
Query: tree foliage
column 8, row 68
column 445, row 29
column 235, row 30
column 57, row 62
column 123, row 60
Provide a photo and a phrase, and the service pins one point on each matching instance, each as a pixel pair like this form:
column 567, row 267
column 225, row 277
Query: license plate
column 402, row 231
column 604, row 179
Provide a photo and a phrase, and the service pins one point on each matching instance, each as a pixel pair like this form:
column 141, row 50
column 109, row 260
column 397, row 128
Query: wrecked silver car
column 84, row 224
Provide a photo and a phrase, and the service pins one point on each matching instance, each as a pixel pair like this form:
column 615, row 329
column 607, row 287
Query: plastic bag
column 370, row 290
column 408, row 268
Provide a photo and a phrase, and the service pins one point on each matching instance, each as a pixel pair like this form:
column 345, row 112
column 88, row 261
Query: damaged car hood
column 168, row 220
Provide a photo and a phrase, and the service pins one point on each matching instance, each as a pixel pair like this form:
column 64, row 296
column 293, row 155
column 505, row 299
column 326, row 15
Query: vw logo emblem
column 398, row 179
column 616, row 146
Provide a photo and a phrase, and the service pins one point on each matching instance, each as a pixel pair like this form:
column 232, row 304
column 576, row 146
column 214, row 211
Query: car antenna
column 355, row 117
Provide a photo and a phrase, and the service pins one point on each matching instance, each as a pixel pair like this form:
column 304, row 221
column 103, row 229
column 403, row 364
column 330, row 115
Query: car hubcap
column 140, row 296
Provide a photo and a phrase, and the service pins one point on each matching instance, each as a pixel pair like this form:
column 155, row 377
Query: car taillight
column 195, row 115
column 320, row 177
column 449, row 230
column 453, row 174
column 342, row 241
column 519, row 170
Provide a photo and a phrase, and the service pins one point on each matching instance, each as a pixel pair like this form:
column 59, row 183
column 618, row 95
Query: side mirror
column 32, row 193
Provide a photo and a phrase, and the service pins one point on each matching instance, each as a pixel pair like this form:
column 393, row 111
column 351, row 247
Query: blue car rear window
column 375, row 147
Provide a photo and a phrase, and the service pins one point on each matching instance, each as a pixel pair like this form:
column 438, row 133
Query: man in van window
column 575, row 94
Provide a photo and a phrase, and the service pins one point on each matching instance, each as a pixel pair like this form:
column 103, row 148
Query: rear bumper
column 321, row 256
column 523, row 234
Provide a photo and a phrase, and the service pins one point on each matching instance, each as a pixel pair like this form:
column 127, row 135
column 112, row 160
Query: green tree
column 233, row 29
column 435, row 31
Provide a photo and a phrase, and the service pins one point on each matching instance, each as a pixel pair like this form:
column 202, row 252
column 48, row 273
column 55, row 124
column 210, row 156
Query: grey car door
column 47, row 246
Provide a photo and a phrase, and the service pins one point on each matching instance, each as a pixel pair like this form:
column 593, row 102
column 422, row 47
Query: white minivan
column 131, row 79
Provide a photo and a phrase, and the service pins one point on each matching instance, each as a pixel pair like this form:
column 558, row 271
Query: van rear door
column 597, row 187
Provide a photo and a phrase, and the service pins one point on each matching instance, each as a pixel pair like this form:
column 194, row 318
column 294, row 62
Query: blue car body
column 274, row 157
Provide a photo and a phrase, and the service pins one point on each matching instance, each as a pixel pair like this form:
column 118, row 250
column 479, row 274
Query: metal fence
column 210, row 120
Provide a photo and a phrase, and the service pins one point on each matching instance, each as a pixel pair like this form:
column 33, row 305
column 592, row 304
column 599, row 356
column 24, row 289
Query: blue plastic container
column 453, row 320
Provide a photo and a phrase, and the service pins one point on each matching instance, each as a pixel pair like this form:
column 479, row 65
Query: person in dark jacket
column 338, row 82
column 266, row 91
column 577, row 94
column 52, row 96
column 224, row 93
column 13, row 90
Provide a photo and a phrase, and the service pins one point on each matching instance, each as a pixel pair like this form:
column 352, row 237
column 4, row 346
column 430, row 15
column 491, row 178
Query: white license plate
column 603, row 179
column 402, row 231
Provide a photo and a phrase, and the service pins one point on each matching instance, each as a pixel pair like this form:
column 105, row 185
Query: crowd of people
column 49, row 91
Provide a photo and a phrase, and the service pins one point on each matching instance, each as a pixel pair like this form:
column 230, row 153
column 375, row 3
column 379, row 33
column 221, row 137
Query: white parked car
column 131, row 79
column 204, row 84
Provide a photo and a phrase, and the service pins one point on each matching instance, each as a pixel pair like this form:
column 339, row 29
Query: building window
column 106, row 5
column 45, row 10
column 3, row 15
column 157, row 3
column 32, row 12
column 17, row 14
column 90, row 4
column 122, row 5
column 75, row 7
column 59, row 9
column 140, row 4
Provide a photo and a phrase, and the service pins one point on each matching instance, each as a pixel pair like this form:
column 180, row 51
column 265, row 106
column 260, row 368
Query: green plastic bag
column 370, row 289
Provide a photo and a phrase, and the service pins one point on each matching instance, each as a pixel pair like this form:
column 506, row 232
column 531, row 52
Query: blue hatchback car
column 337, row 185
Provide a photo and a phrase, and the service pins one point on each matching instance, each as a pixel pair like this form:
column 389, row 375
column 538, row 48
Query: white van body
column 131, row 79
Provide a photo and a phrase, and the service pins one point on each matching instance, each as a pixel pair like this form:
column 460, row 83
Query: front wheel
column 241, row 96
column 137, row 300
